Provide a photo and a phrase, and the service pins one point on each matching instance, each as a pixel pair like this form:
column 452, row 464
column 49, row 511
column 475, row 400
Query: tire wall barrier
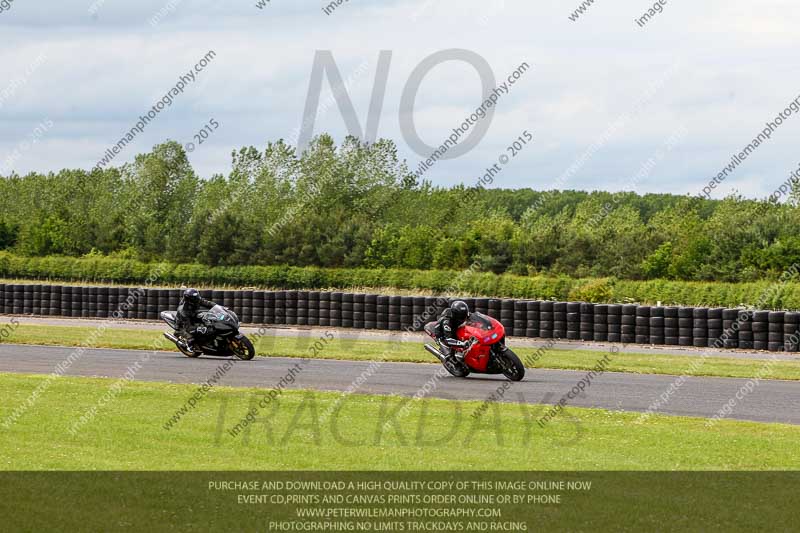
column 632, row 324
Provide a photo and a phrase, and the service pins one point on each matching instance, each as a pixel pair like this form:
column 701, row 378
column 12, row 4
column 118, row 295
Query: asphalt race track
column 770, row 401
column 395, row 336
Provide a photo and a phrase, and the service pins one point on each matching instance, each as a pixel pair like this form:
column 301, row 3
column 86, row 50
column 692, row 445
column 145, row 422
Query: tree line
column 358, row 205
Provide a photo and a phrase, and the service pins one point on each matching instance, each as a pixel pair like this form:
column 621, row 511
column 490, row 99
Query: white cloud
column 102, row 72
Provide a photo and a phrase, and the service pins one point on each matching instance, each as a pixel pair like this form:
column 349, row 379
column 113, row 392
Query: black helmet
column 460, row 311
column 191, row 295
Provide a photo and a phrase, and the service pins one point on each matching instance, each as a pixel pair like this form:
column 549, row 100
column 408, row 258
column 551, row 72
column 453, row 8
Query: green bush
column 595, row 291
column 763, row 294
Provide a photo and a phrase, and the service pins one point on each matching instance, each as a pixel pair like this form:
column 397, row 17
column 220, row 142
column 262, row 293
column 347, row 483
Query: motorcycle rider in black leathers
column 189, row 324
column 446, row 327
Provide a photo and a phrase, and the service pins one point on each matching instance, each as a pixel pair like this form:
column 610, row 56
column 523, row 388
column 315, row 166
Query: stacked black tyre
column 791, row 331
column 358, row 310
column 614, row 323
column 730, row 328
column 7, row 298
column 174, row 299
column 746, row 335
column 7, row 303
column 482, row 305
column 161, row 298
column 685, row 326
column 432, row 309
column 67, row 294
column 313, row 308
column 559, row 320
column 760, row 327
column 587, row 322
column 532, row 324
column 657, row 335
column 44, row 300
column 115, row 300
column 574, row 321
column 85, row 302
column 335, row 313
column 24, row 301
column 137, row 308
column 419, row 314
column 292, row 314
column 520, row 318
column 600, row 323
column 370, row 311
column 55, row 299
column 258, row 307
column 546, row 320
column 671, row 326
column 382, row 312
column 325, row 309
column 507, row 315
column 642, row 324
column 715, row 328
column 301, row 306
column 66, row 302
column 134, row 302
column 700, row 327
column 280, row 307
column 494, row 308
column 394, row 313
column 775, row 325
column 346, row 310
column 269, row 307
column 628, row 324
column 36, row 302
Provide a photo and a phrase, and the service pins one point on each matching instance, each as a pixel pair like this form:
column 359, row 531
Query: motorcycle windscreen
column 222, row 317
column 479, row 321
column 484, row 328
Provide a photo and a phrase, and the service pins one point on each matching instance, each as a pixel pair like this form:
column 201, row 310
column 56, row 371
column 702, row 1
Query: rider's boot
column 190, row 339
column 188, row 345
column 446, row 351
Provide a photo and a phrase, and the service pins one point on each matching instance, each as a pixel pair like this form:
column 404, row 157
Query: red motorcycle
column 485, row 352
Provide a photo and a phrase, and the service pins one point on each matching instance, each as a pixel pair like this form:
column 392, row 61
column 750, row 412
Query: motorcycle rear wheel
column 187, row 353
column 458, row 370
column 243, row 348
column 513, row 367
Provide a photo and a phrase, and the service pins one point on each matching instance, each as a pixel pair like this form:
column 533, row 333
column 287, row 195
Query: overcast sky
column 602, row 91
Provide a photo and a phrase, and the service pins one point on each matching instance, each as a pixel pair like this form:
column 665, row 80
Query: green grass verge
column 302, row 430
column 370, row 350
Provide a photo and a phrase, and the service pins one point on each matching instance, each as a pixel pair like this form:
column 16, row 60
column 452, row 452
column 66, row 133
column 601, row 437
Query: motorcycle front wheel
column 243, row 348
column 513, row 368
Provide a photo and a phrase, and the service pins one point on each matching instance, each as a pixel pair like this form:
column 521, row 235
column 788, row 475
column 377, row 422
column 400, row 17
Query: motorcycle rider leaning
column 189, row 324
column 446, row 327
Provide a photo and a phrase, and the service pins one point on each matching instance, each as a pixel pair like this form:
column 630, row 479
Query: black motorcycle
column 222, row 338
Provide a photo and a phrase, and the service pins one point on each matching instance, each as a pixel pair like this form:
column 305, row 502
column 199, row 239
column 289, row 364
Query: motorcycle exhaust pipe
column 439, row 355
column 171, row 337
